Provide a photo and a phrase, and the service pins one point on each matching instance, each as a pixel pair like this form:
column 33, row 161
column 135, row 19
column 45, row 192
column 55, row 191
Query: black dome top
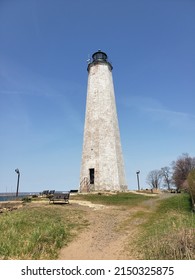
column 99, row 56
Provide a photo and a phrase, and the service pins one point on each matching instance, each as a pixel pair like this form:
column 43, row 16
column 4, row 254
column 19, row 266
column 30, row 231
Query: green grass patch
column 37, row 232
column 122, row 199
column 179, row 202
column 169, row 232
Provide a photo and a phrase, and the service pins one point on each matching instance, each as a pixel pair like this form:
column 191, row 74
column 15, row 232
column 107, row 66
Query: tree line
column 180, row 175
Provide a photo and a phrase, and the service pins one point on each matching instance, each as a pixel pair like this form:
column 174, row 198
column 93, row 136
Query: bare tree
column 181, row 168
column 154, row 178
column 166, row 176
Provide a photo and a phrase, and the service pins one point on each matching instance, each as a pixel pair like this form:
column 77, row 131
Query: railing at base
column 85, row 185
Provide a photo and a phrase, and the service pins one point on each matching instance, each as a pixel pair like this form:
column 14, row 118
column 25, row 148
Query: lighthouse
column 102, row 166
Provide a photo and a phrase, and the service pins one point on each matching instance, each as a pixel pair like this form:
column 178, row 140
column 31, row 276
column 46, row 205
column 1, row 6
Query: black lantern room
column 99, row 57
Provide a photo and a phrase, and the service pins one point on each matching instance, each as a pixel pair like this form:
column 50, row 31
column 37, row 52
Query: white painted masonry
column 101, row 146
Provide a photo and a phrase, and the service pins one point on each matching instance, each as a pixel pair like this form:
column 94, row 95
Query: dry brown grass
column 179, row 245
column 169, row 232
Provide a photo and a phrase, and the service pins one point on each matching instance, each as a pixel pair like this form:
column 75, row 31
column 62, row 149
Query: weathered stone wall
column 102, row 147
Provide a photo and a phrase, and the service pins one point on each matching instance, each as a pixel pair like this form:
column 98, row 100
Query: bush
column 26, row 199
column 191, row 184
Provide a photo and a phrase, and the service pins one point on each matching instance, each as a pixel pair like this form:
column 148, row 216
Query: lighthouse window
column 91, row 175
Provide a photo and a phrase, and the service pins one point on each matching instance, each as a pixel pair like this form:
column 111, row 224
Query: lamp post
column 18, row 172
column 138, row 179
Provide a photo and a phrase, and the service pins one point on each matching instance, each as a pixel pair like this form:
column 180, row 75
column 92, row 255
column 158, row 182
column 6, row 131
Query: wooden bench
column 60, row 197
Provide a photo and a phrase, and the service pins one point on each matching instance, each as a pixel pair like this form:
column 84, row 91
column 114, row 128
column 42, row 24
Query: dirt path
column 101, row 240
column 110, row 231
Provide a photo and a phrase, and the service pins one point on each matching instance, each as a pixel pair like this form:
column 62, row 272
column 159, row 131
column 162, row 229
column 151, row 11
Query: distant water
column 5, row 197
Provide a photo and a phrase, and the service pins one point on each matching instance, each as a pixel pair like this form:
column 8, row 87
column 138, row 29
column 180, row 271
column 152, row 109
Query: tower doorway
column 91, row 175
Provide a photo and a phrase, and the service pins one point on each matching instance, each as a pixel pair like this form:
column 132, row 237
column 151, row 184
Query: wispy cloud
column 173, row 118
column 158, row 112
column 17, row 81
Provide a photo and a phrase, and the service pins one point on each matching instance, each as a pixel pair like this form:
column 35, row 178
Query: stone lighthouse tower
column 102, row 167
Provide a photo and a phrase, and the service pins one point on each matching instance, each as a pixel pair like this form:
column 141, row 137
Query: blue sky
column 44, row 47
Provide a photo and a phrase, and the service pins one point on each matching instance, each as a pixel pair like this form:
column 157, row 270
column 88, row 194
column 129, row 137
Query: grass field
column 37, row 232
column 169, row 232
column 119, row 199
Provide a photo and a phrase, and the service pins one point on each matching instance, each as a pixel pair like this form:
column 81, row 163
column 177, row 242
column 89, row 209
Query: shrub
column 191, row 184
column 26, row 199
